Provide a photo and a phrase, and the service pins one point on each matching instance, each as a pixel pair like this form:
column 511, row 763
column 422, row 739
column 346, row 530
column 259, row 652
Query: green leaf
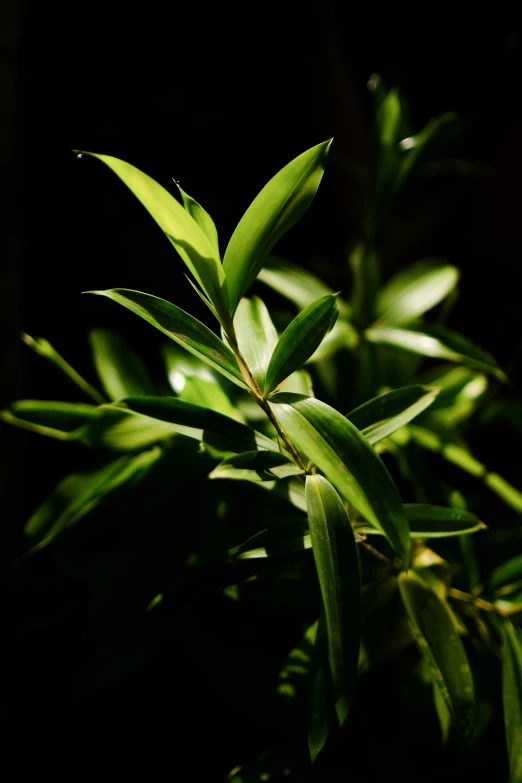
column 256, row 336
column 320, row 691
column 437, row 342
column 299, row 382
column 256, row 466
column 56, row 419
column 418, row 147
column 343, row 336
column 506, row 574
column 45, row 349
column 219, row 433
column 346, row 458
column 79, row 493
column 385, row 414
column 300, row 340
column 336, row 559
column 181, row 229
column 275, row 210
column 460, row 388
column 512, row 698
column 414, row 290
column 208, row 394
column 389, row 117
column 181, row 327
column 276, row 541
column 435, row 634
column 462, row 457
column 297, row 284
column 120, row 370
column 427, row 521
column 203, row 220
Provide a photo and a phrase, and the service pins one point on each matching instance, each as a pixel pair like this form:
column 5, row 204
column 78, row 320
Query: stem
column 467, row 598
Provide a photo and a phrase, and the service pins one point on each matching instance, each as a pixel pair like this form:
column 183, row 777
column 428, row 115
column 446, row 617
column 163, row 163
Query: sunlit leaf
column 300, row 340
column 299, row 382
column 256, row 466
column 208, row 394
column 385, row 414
column 79, row 493
column 337, row 563
column 343, row 336
column 512, row 698
column 436, row 342
column 414, row 290
column 180, row 227
column 119, row 368
column 202, row 218
column 336, row 446
column 256, row 336
column 276, row 209
column 438, row 640
column 181, row 327
column 45, row 349
column 460, row 388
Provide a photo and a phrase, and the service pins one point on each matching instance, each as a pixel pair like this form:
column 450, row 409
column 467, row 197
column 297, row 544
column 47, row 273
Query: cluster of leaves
column 246, row 397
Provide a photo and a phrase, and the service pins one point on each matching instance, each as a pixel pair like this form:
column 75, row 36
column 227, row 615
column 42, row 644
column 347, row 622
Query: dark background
column 219, row 97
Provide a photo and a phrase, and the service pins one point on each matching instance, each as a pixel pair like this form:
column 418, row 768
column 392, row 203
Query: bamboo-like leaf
column 202, row 218
column 77, row 494
column 256, row 336
column 208, row 394
column 56, row 419
column 512, row 698
column 319, row 692
column 415, row 290
column 343, row 336
column 299, row 382
column 336, row 446
column 438, row 640
column 506, row 574
column 120, row 370
column 427, row 521
column 181, row 327
column 276, row 541
column 44, row 348
column 385, row 414
column 460, row 389
column 219, row 433
column 437, row 342
column 297, row 284
column 336, row 559
column 258, row 465
column 181, row 229
column 275, row 210
column 300, row 340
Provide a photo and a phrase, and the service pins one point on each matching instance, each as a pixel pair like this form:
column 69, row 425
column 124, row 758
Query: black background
column 218, row 97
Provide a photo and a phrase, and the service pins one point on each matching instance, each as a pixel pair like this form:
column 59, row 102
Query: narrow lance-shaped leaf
column 275, row 210
column 438, row 640
column 256, row 336
column 300, row 340
column 320, row 691
column 436, row 342
column 58, row 420
column 181, row 327
column 202, row 218
column 336, row 559
column 336, row 446
column 506, row 574
column 45, row 349
column 427, row 521
column 414, row 291
column 208, row 394
column 119, row 368
column 385, row 414
column 256, row 466
column 179, row 226
column 512, row 698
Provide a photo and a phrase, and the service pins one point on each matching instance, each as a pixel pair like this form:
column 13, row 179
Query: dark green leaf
column 336, row 559
column 320, row 691
column 256, row 336
column 428, row 521
column 275, row 210
column 506, row 574
column 120, row 370
column 437, row 342
column 336, row 446
column 202, row 218
column 256, row 466
column 300, row 340
column 56, row 419
column 438, row 640
column 512, row 698
column 45, row 349
column 76, row 495
column 414, row 290
column 181, row 327
column 385, row 414
column 181, row 229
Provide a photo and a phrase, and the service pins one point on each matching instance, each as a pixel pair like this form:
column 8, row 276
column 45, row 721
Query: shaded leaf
column 256, row 466
column 275, row 210
column 385, row 414
column 512, row 698
column 320, row 691
column 438, row 640
column 506, row 574
column 415, row 290
column 336, row 559
column 119, row 368
column 58, row 420
column 181, row 327
column 346, row 458
column 300, row 340
column 256, row 336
